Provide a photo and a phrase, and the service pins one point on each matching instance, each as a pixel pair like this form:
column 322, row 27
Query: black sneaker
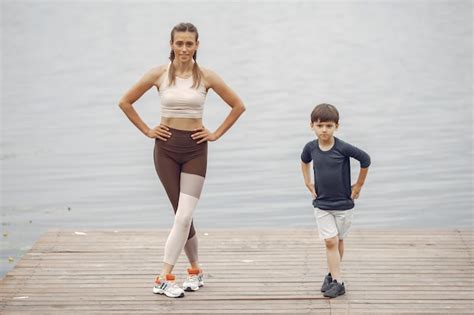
column 335, row 289
column 327, row 281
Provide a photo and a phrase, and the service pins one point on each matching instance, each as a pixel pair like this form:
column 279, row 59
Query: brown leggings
column 180, row 154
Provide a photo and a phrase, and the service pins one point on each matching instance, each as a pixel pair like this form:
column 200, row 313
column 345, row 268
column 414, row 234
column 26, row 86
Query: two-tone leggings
column 181, row 165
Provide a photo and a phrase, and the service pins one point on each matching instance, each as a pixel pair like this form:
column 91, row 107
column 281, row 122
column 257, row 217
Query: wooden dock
column 246, row 271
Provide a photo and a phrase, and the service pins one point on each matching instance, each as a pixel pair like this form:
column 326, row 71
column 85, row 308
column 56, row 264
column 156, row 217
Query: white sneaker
column 194, row 281
column 168, row 287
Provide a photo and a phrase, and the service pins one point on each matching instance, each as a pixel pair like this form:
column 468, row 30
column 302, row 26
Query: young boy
column 333, row 195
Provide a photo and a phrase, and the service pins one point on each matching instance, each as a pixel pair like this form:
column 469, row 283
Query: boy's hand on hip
column 311, row 189
column 355, row 191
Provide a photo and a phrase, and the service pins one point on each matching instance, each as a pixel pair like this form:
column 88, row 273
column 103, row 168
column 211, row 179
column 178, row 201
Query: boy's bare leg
column 333, row 257
column 341, row 248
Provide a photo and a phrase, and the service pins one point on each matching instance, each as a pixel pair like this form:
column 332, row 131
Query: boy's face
column 324, row 129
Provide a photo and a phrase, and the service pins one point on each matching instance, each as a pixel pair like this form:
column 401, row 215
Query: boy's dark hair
column 324, row 113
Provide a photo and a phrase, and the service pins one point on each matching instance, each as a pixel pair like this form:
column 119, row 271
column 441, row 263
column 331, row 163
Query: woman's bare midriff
column 182, row 123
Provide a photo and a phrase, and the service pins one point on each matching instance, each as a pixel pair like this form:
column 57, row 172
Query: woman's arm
column 148, row 80
column 230, row 97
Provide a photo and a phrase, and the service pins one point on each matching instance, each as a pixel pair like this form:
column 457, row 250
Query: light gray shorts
column 333, row 222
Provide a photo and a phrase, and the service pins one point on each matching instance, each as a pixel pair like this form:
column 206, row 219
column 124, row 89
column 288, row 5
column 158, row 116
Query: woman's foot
column 168, row 287
column 194, row 281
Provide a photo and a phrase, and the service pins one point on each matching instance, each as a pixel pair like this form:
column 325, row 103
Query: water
column 400, row 74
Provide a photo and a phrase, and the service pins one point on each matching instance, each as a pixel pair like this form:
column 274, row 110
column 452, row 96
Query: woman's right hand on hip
column 161, row 132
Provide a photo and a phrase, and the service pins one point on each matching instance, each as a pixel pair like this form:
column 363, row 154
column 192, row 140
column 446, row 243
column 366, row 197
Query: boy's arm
column 364, row 160
column 360, row 182
column 306, row 170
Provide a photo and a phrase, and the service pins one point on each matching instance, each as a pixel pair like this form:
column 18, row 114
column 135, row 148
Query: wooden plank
column 111, row 271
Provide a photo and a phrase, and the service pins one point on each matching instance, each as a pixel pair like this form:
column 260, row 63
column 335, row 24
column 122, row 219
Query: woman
column 180, row 152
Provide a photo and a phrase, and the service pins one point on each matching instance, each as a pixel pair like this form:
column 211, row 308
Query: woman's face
column 184, row 45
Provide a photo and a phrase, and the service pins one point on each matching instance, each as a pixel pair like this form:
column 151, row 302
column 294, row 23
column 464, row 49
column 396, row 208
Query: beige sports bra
column 181, row 100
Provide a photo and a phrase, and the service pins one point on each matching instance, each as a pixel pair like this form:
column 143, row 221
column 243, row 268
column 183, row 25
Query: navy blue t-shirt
column 332, row 173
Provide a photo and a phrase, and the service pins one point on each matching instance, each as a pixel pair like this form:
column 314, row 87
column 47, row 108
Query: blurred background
column 399, row 72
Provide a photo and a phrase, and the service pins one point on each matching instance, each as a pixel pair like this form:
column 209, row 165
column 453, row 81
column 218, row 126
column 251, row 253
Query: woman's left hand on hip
column 202, row 135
